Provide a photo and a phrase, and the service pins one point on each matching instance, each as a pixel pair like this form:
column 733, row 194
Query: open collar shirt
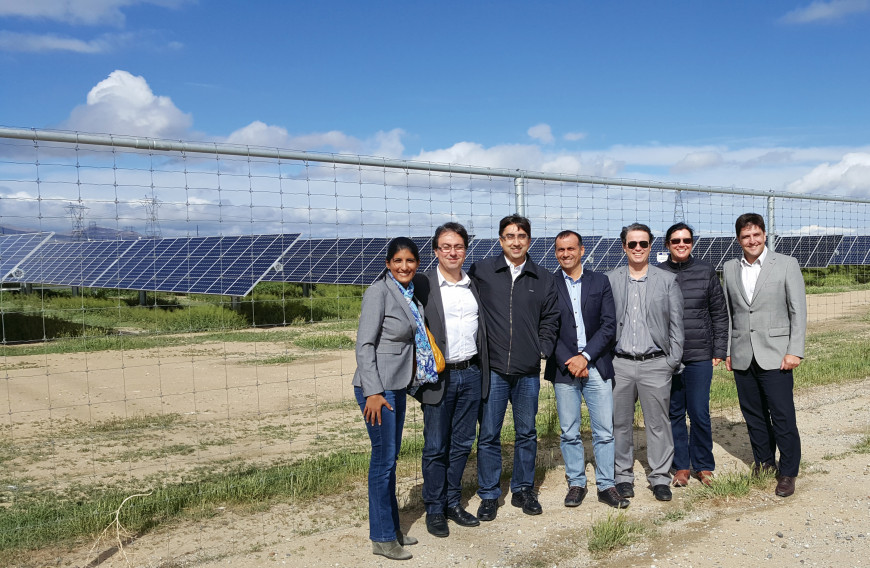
column 636, row 338
column 575, row 287
column 460, row 318
column 749, row 272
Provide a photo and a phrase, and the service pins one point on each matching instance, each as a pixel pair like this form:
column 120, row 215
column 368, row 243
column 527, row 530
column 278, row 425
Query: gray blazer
column 427, row 289
column 774, row 323
column 385, row 339
column 664, row 315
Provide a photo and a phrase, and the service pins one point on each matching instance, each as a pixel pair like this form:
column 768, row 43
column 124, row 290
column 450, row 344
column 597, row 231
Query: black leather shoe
column 436, row 524
column 625, row 489
column 526, row 499
column 461, row 517
column 575, row 496
column 662, row 492
column 487, row 510
column 784, row 486
column 611, row 496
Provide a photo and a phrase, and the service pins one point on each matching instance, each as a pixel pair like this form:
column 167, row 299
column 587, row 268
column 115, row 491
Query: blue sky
column 765, row 95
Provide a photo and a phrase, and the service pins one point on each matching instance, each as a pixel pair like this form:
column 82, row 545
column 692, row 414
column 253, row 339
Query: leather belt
column 646, row 357
column 462, row 365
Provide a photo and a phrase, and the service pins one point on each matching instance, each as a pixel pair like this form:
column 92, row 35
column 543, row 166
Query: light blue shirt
column 574, row 289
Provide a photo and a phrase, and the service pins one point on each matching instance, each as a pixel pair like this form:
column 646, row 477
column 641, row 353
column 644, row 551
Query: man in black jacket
column 705, row 319
column 518, row 301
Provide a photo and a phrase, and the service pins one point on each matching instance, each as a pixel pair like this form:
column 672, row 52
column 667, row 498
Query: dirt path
column 826, row 522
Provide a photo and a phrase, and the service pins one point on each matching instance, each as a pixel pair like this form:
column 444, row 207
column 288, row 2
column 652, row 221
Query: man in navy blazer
column 582, row 367
column 451, row 405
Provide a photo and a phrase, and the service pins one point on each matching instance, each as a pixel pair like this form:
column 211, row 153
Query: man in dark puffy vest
column 705, row 320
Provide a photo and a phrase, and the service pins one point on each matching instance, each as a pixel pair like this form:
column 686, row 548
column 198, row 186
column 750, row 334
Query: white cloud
column 387, row 144
column 697, row 161
column 124, row 104
column 541, row 132
column 78, row 12
column 37, row 43
column 849, row 176
column 821, row 11
column 574, row 136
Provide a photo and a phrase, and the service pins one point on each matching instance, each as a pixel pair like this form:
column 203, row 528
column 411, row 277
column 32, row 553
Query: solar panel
column 228, row 266
column 858, row 251
column 15, row 250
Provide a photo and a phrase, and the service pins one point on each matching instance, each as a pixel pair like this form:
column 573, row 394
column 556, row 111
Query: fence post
column 771, row 223
column 520, row 195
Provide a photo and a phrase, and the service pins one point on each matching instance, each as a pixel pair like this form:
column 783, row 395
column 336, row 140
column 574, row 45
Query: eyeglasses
column 510, row 237
column 447, row 248
column 686, row 241
column 633, row 244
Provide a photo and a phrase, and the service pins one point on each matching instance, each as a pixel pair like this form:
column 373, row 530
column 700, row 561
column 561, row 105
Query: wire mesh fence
column 173, row 310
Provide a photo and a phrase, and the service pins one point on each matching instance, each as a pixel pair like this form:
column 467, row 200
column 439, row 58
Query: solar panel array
column 229, row 266
column 232, row 265
column 15, row 249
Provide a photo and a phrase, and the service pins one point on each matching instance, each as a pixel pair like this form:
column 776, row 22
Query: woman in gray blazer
column 392, row 354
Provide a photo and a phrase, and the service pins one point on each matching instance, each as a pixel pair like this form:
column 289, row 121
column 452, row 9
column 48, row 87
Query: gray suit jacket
column 664, row 315
column 774, row 323
column 384, row 340
column 426, row 288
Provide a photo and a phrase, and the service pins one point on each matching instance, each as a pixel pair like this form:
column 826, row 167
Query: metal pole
column 520, row 195
column 771, row 223
column 37, row 135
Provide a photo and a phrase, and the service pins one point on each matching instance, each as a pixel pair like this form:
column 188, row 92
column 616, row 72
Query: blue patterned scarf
column 425, row 360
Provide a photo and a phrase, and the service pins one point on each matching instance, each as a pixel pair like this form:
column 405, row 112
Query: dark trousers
column 690, row 395
column 449, row 428
column 767, row 401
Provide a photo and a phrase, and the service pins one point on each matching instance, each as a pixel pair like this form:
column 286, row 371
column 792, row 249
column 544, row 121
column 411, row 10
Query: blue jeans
column 690, row 393
column 449, row 428
column 522, row 392
column 599, row 401
column 386, row 440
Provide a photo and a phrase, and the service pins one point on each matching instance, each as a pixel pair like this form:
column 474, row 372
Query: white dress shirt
column 515, row 270
column 460, row 318
column 749, row 273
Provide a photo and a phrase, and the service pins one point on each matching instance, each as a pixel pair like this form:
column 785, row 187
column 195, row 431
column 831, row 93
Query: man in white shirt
column 768, row 308
column 450, row 406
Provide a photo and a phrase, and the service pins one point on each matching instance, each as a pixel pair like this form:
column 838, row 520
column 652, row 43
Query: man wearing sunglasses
column 648, row 349
column 705, row 321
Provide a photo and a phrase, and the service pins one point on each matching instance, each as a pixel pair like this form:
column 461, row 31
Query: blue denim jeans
column 449, row 428
column 522, row 392
column 599, row 401
column 690, row 393
column 386, row 440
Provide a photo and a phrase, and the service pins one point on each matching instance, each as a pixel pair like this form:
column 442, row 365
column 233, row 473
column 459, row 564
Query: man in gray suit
column 768, row 307
column 648, row 349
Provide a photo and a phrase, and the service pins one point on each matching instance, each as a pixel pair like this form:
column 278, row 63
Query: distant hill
column 92, row 233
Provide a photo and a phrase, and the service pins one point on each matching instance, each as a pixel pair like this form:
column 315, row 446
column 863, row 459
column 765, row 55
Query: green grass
column 318, row 341
column 863, row 447
column 731, row 485
column 616, row 531
column 52, row 519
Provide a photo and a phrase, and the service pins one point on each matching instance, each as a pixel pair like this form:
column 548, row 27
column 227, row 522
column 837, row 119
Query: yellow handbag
column 440, row 363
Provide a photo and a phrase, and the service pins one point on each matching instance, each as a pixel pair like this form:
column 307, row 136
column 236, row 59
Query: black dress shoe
column 611, row 496
column 625, row 489
column 575, row 496
column 487, row 510
column 436, row 524
column 461, row 517
column 526, row 499
column 784, row 486
column 662, row 492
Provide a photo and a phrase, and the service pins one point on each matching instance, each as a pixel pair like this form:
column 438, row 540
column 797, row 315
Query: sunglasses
column 686, row 241
column 633, row 244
